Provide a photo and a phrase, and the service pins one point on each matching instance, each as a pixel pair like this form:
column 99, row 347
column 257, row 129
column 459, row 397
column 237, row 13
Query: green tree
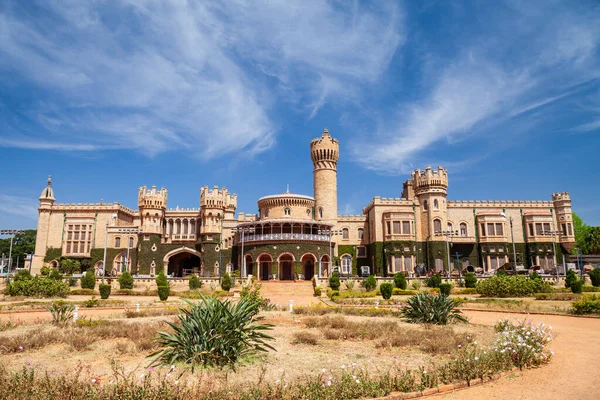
column 23, row 243
column 581, row 231
column 69, row 266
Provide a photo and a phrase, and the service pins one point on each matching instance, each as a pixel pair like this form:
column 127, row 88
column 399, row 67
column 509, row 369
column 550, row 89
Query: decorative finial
column 325, row 132
column 288, row 188
column 49, row 180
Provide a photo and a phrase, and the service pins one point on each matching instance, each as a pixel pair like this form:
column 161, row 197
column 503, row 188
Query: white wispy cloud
column 24, row 207
column 534, row 64
column 157, row 76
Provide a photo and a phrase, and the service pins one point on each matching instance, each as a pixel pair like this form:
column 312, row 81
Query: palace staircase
column 281, row 292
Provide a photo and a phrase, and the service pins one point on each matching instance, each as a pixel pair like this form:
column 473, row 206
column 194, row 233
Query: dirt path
column 573, row 373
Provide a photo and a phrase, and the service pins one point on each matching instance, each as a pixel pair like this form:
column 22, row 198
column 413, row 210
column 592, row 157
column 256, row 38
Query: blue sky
column 108, row 96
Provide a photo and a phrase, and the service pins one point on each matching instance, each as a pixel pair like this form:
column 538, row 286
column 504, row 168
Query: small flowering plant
column 524, row 342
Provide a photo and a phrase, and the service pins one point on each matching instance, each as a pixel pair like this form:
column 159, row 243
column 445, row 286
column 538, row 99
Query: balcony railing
column 285, row 236
column 183, row 237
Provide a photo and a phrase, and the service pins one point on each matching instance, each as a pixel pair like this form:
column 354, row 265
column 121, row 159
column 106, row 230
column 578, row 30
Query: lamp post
column 242, row 231
column 12, row 233
column 459, row 269
column 554, row 234
column 512, row 237
column 579, row 255
column 448, row 234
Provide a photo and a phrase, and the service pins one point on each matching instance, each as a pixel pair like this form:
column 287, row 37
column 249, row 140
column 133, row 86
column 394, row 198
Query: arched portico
column 308, row 265
column 264, row 266
column 286, row 266
column 325, row 266
column 249, row 265
column 182, row 261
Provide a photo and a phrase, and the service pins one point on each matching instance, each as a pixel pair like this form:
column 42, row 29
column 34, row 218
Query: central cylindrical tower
column 325, row 152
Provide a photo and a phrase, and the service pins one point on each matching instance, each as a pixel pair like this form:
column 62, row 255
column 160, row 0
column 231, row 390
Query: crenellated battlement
column 93, row 207
column 217, row 198
column 152, row 198
column 384, row 201
column 562, row 196
column 350, row 218
column 430, row 180
column 325, row 150
column 500, row 203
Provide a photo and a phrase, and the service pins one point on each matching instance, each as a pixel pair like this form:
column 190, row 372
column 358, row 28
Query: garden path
column 572, row 374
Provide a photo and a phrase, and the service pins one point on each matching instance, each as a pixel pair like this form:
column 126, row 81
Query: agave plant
column 425, row 308
column 61, row 312
column 213, row 333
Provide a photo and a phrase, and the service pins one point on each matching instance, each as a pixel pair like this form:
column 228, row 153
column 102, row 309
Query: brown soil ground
column 291, row 360
column 572, row 374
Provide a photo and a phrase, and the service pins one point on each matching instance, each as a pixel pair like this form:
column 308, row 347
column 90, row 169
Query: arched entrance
column 325, row 266
column 119, row 264
column 308, row 266
column 249, row 265
column 182, row 262
column 286, row 267
column 264, row 265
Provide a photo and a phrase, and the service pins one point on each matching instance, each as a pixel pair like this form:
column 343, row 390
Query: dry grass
column 156, row 312
column 433, row 340
column 305, row 337
column 80, row 336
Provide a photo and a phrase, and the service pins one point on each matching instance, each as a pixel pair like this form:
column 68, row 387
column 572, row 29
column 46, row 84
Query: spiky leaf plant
column 213, row 333
column 425, row 308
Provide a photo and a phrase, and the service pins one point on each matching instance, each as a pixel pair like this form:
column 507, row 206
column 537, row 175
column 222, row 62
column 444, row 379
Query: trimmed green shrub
column 334, row 281
column 577, row 286
column 226, row 282
column 501, row 272
column 507, row 286
column 161, row 279
column 333, row 294
column 386, row 289
column 470, row 280
column 570, row 278
column 426, row 308
column 163, row 292
column 400, row 281
column 445, row 289
column 88, row 280
column 54, row 274
column 125, row 281
column 213, row 333
column 370, row 283
column 587, row 305
column 36, row 286
column 194, row 282
column 317, row 290
column 104, row 291
column 400, row 292
column 22, row 275
column 434, row 281
column 45, row 270
column 595, row 277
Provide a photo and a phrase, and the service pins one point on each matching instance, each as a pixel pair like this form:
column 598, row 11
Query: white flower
column 177, row 382
column 357, row 381
column 476, row 358
column 323, row 370
column 141, row 375
column 277, row 381
column 425, row 372
column 172, row 367
column 459, row 346
column 328, row 383
column 93, row 380
column 343, row 366
column 475, row 342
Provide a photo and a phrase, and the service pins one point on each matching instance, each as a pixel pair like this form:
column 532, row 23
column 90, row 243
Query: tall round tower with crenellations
column 325, row 152
column 152, row 204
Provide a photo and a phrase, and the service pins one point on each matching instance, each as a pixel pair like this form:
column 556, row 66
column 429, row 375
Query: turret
column 216, row 205
column 430, row 187
column 325, row 152
column 43, row 226
column 152, row 205
column 564, row 219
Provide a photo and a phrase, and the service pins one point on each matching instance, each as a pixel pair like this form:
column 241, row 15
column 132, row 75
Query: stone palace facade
column 297, row 236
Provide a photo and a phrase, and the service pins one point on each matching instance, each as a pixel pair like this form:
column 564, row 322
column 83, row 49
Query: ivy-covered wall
column 356, row 262
column 52, row 254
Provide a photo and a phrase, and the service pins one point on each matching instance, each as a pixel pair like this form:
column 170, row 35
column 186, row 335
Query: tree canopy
column 23, row 243
column 587, row 238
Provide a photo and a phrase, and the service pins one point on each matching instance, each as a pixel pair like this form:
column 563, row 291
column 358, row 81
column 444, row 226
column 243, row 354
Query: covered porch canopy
column 283, row 229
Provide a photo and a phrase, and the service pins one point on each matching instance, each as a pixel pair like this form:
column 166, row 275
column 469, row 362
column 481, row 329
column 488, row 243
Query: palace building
column 297, row 236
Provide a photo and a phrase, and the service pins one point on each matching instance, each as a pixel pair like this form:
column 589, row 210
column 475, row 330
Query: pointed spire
column 288, row 188
column 325, row 132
